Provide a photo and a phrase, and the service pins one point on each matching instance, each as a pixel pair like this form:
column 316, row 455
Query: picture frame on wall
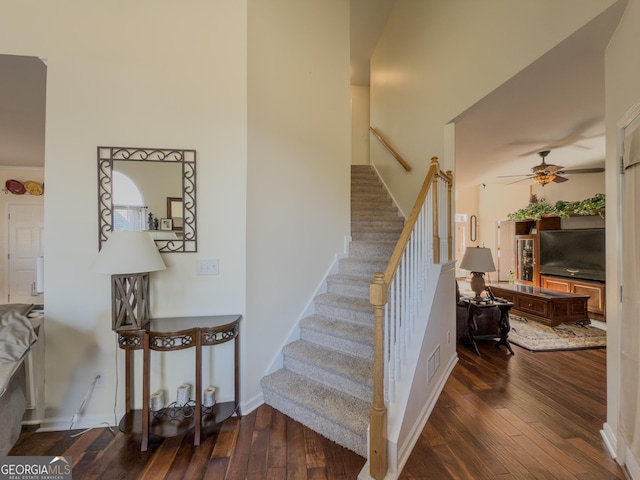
column 166, row 224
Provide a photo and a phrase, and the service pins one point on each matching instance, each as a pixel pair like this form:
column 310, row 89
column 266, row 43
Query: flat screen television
column 573, row 253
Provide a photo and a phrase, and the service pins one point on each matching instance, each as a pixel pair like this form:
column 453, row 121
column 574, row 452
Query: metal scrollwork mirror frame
column 106, row 157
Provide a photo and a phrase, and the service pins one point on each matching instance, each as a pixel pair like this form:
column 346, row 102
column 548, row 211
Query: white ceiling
column 556, row 103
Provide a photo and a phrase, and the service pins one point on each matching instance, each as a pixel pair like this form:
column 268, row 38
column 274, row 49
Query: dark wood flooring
column 528, row 416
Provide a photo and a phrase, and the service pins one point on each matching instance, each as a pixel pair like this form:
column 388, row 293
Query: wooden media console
column 549, row 307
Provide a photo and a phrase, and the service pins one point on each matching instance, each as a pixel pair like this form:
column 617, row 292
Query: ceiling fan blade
column 559, row 179
column 507, row 176
column 521, row 180
column 553, row 168
column 582, row 170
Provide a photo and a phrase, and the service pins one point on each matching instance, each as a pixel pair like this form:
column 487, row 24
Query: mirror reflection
column 151, row 190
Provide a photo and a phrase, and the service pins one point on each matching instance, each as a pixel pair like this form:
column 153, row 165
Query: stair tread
column 351, row 278
column 355, row 368
column 354, row 332
column 344, row 301
column 346, row 410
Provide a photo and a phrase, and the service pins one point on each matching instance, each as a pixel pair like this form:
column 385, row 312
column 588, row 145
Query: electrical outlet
column 208, row 267
column 101, row 380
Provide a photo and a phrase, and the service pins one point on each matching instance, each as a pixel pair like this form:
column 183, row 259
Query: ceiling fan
column 546, row 173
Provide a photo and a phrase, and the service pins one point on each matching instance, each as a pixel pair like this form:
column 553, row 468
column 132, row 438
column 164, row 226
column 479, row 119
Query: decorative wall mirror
column 144, row 188
column 473, row 228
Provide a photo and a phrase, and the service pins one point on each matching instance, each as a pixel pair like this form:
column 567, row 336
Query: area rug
column 537, row 337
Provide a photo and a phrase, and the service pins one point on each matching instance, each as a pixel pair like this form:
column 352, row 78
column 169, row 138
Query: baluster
column 392, row 343
column 398, row 326
column 387, row 348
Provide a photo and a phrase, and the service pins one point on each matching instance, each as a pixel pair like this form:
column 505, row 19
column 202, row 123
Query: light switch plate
column 208, row 267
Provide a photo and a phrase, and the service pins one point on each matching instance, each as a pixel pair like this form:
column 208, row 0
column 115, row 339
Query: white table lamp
column 477, row 260
column 129, row 257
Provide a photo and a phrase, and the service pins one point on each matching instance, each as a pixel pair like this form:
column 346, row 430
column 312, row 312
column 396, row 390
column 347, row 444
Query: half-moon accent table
column 169, row 334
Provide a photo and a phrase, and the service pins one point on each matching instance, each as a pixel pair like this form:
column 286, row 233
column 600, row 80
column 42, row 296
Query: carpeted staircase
column 326, row 381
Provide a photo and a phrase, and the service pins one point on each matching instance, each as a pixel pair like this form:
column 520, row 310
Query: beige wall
column 359, row 125
column 182, row 83
column 299, row 126
column 421, row 79
column 145, row 74
column 622, row 81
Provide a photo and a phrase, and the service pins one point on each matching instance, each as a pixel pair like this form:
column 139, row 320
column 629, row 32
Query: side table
column 169, row 334
column 475, row 308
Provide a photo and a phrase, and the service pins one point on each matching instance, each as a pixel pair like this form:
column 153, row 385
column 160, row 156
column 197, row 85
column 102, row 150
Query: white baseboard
column 84, row 422
column 250, row 405
column 631, row 467
column 609, row 440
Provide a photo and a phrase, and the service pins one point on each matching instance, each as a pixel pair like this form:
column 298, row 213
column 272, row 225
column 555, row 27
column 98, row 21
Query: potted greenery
column 538, row 209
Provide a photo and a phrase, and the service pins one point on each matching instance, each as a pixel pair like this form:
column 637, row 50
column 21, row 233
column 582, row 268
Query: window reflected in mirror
column 148, row 190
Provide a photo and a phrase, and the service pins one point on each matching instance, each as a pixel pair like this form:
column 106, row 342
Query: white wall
column 622, row 83
column 149, row 74
column 359, row 125
column 436, row 59
column 298, row 165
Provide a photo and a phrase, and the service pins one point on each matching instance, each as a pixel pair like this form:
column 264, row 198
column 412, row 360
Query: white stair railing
column 396, row 294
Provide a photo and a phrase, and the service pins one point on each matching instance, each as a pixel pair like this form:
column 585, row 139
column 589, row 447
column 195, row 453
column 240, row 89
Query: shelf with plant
column 563, row 209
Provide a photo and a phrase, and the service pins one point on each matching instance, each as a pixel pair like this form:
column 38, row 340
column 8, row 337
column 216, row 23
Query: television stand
column 549, row 307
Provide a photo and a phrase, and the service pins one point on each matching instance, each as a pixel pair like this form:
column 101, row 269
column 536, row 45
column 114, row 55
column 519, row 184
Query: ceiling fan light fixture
column 544, row 178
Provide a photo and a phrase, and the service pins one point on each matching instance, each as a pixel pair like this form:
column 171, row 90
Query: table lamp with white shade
column 129, row 257
column 477, row 260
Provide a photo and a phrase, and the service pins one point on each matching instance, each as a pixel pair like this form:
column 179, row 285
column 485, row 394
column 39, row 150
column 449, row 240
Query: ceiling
column 556, row 103
column 22, row 108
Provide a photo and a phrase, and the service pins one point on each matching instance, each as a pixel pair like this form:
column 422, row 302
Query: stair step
column 361, row 266
column 349, row 285
column 332, row 333
column 349, row 309
column 333, row 414
column 380, row 207
column 326, row 379
column 390, row 235
column 376, row 218
column 347, row 373
column 371, row 249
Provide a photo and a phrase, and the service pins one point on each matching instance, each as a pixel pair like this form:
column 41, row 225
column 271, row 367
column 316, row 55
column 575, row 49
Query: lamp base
column 130, row 301
column 477, row 284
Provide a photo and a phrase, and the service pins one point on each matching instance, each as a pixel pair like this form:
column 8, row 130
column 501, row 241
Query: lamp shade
column 128, row 252
column 478, row 259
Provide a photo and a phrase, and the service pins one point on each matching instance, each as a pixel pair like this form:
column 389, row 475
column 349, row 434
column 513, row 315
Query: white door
column 26, row 226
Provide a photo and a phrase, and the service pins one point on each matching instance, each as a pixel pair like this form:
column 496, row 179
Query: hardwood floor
column 528, row 416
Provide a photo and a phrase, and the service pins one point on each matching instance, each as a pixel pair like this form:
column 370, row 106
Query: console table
column 167, row 334
column 549, row 307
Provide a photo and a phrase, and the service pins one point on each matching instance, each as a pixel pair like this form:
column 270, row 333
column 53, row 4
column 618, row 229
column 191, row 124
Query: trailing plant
column 536, row 210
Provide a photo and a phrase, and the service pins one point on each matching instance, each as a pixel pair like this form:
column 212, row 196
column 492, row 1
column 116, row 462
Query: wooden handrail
column 396, row 256
column 395, row 154
column 379, row 297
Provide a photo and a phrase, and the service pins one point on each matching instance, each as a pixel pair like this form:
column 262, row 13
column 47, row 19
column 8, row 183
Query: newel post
column 434, row 195
column 450, row 222
column 378, row 462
